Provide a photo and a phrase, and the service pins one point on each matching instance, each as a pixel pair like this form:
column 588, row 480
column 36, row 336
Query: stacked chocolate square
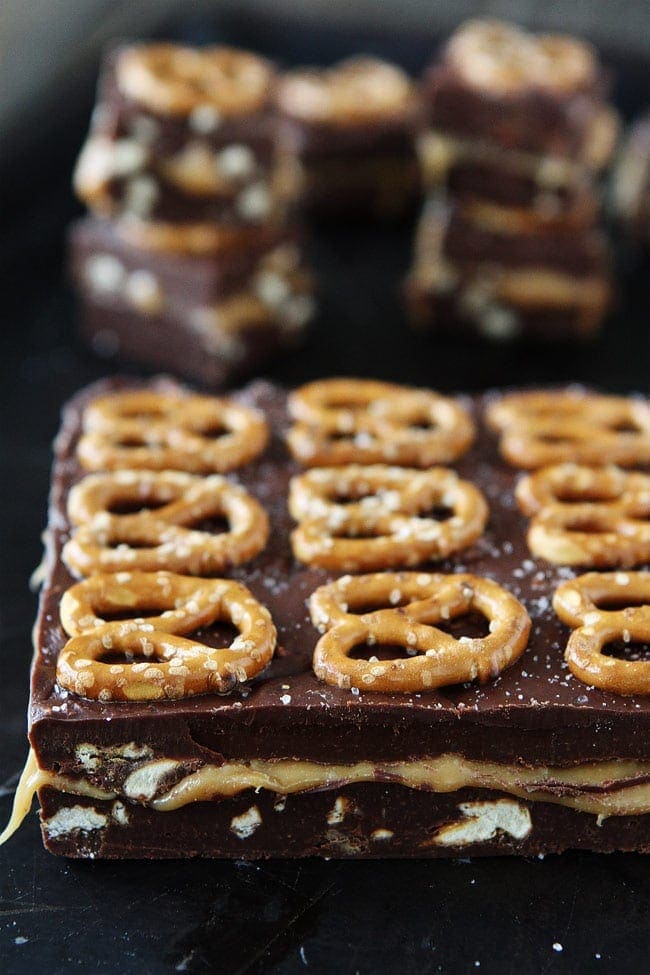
column 347, row 133
column 517, row 129
column 188, row 261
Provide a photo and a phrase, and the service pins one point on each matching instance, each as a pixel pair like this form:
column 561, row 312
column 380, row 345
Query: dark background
column 488, row 916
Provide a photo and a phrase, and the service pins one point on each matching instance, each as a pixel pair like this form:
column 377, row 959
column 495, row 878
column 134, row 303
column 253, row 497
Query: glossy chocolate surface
column 535, row 712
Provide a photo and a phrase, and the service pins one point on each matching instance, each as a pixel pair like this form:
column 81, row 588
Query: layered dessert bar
column 348, row 134
column 188, row 261
column 541, row 95
column 181, row 135
column 209, row 316
column 202, row 685
column 517, row 129
column 481, row 272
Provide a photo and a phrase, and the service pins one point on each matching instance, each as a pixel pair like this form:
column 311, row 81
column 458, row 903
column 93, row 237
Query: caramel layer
column 603, row 789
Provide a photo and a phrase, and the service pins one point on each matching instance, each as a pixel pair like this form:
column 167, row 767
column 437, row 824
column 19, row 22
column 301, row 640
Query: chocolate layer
column 353, row 821
column 531, row 120
column 535, row 713
column 184, row 279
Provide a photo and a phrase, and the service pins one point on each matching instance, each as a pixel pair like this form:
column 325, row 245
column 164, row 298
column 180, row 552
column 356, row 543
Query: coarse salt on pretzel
column 383, row 530
column 583, row 605
column 587, row 516
column 568, row 484
column 516, row 410
column 347, row 421
column 160, row 661
column 418, row 602
column 158, row 533
column 145, row 429
column 172, row 80
column 543, row 428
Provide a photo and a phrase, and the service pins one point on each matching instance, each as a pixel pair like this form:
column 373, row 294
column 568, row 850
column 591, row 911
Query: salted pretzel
column 353, row 91
column 145, row 429
column 172, row 80
column 383, row 528
column 542, row 428
column 568, row 484
column 505, row 60
column 587, row 516
column 415, row 603
column 158, row 534
column 347, row 421
column 583, row 604
column 161, row 662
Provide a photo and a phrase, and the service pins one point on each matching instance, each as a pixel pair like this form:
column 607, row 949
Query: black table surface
column 574, row 913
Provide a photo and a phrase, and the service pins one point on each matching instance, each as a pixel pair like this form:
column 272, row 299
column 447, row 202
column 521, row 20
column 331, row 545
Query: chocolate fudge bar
column 532, row 762
column 477, row 278
column 348, row 134
column 539, row 94
column 181, row 135
column 209, row 317
column 508, row 246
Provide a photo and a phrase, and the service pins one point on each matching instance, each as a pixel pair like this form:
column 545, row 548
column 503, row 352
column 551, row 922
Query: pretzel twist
column 503, row 59
column 349, row 93
column 144, row 429
column 542, row 428
column 418, row 602
column 153, row 537
column 587, row 516
column 347, row 421
column 385, row 517
column 582, row 605
column 173, row 666
column 173, row 80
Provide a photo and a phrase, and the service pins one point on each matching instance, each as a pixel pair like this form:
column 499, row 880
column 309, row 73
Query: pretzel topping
column 173, row 80
column 347, row 421
column 582, row 604
column 542, row 428
column 351, row 92
column 158, row 534
column 168, row 664
column 505, row 60
column 418, row 602
column 384, row 516
column 163, row 431
column 587, row 516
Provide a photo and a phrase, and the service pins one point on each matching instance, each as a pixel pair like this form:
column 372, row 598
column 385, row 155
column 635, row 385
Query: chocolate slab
column 531, row 120
column 162, row 138
column 184, row 279
column 350, row 170
column 574, row 251
column 535, row 713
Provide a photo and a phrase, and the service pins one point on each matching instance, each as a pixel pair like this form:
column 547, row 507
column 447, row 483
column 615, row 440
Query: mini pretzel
column 582, row 604
column 568, row 484
column 351, row 92
column 505, row 59
column 166, row 431
column 587, row 516
column 161, row 537
column 174, row 80
column 346, row 421
column 391, row 534
column 422, row 600
column 539, row 429
column 174, row 666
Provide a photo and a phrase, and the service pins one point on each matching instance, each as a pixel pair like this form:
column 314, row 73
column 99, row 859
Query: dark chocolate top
column 535, row 712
